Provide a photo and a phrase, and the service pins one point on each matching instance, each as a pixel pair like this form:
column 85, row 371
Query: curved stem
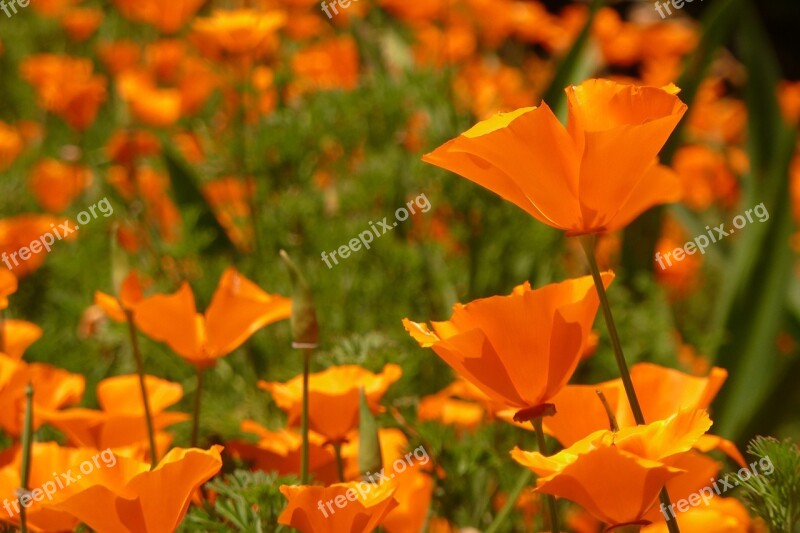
column 198, row 393
column 588, row 242
column 551, row 500
column 148, row 417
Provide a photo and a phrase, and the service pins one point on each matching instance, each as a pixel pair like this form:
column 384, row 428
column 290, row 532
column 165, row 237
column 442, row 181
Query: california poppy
column 333, row 397
column 617, row 476
column 561, row 176
column 336, row 508
column 11, row 145
column 56, row 184
column 131, row 497
column 241, row 33
column 20, row 231
column 120, row 421
column 17, row 336
column 501, row 343
column 81, row 23
column 280, row 450
column 238, row 309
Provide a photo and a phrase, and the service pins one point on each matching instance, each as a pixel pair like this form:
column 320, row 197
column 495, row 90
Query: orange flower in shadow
column 66, row 86
column 501, row 344
column 120, row 421
column 617, row 476
column 238, row 309
column 333, row 397
column 81, row 23
column 168, row 17
column 279, row 451
column 131, row 497
column 11, row 145
column 54, row 389
column 308, row 511
column 562, row 176
column 151, row 105
column 20, row 231
column 56, row 183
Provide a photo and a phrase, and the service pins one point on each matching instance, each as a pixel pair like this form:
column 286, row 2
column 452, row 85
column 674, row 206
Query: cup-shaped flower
column 356, row 507
column 333, row 397
column 128, row 496
column 595, row 175
column 520, row 349
column 238, row 309
column 617, row 476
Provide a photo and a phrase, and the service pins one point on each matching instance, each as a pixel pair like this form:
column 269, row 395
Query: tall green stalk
column 198, row 393
column 588, row 242
column 137, row 356
column 304, row 420
column 551, row 500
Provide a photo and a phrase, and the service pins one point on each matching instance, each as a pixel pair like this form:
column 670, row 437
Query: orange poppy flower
column 500, row 344
column 81, row 23
column 279, row 451
column 150, row 104
column 11, row 145
column 52, row 8
column 617, row 476
column 168, row 17
column 20, row 231
column 662, row 392
column 17, row 336
column 241, row 33
column 131, row 497
column 119, row 56
column 409, row 469
column 48, row 461
column 336, row 508
column 446, row 408
column 66, row 86
column 333, row 397
column 565, row 180
column 229, row 198
column 54, row 389
column 719, row 515
column 120, row 421
column 706, row 177
column 56, row 183
column 8, row 286
column 238, row 309
column 328, row 65
column 126, row 147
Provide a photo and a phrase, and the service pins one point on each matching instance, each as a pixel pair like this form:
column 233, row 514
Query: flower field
column 437, row 266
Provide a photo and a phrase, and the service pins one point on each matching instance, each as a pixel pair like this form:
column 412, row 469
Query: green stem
column 500, row 518
column 612, row 420
column 198, row 393
column 27, row 442
column 304, row 420
column 337, row 449
column 588, row 242
column 148, row 417
column 551, row 500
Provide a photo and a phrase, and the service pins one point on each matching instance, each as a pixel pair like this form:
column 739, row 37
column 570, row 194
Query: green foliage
column 248, row 502
column 775, row 497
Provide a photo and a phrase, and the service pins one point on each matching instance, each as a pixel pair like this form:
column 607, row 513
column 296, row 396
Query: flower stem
column 198, row 393
column 551, row 500
column 137, row 356
column 27, row 442
column 588, row 242
column 304, row 420
column 337, row 449
column 500, row 518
